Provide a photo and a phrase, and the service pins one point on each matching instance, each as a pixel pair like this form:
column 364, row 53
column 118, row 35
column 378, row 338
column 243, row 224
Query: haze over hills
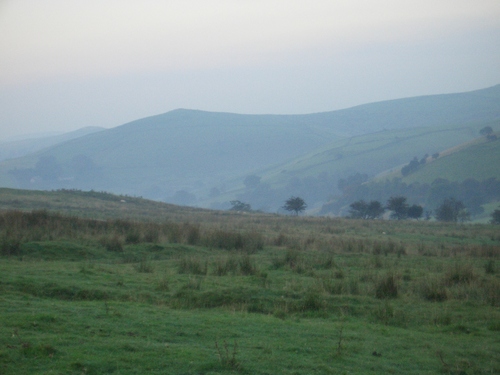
column 21, row 146
column 202, row 158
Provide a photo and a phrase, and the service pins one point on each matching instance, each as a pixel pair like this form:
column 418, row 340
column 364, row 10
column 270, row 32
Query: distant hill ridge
column 198, row 157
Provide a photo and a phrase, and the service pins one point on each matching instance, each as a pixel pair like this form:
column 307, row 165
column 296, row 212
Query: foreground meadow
column 229, row 293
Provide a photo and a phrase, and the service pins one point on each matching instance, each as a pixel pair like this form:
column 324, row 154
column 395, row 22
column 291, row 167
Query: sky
column 68, row 64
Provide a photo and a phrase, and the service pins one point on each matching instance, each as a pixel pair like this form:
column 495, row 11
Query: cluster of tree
column 487, row 132
column 48, row 173
column 450, row 210
column 471, row 192
column 495, row 216
column 292, row 204
column 240, row 206
column 397, row 205
column 414, row 165
column 313, row 189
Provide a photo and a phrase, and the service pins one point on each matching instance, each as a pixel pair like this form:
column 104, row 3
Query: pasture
column 178, row 291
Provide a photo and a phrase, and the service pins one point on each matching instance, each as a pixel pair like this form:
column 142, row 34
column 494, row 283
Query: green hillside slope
column 315, row 176
column 480, row 160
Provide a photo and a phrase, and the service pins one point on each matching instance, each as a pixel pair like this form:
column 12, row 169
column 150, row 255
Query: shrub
column 387, row 286
column 133, row 237
column 223, row 266
column 193, row 266
column 144, row 266
column 10, row 246
column 489, row 267
column 152, row 234
column 112, row 244
column 433, row 290
column 247, row 267
column 312, row 301
column 192, row 233
column 253, row 241
column 460, row 273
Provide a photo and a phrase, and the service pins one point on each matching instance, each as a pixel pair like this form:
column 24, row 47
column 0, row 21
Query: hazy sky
column 66, row 64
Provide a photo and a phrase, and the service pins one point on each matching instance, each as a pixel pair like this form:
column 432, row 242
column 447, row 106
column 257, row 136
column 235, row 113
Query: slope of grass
column 372, row 153
column 478, row 161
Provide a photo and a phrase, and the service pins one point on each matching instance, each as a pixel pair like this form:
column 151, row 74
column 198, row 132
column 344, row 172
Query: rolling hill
column 20, row 147
column 206, row 156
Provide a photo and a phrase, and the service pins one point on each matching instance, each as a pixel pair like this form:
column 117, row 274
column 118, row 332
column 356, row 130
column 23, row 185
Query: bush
column 460, row 273
column 387, row 286
column 152, row 234
column 223, row 266
column 144, row 266
column 112, row 244
column 133, row 237
column 10, row 246
column 247, row 267
column 192, row 233
column 433, row 290
column 193, row 266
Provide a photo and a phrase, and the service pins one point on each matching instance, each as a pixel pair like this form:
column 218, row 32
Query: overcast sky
column 66, row 64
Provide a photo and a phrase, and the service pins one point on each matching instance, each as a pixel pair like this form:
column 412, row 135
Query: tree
column 240, row 206
column 358, row 209
column 375, row 210
column 495, row 217
column 491, row 137
column 415, row 212
column 411, row 167
column 451, row 210
column 487, row 130
column 362, row 210
column 398, row 206
column 295, row 204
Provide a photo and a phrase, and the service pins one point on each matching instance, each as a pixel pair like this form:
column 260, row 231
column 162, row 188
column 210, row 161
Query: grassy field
column 94, row 285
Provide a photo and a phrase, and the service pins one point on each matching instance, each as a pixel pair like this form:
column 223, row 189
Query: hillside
column 315, row 176
column 468, row 172
column 478, row 160
column 195, row 157
column 20, row 147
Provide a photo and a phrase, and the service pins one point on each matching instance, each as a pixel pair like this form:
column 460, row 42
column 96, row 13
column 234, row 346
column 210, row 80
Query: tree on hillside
column 240, row 206
column 495, row 217
column 398, row 206
column 487, row 130
column 451, row 210
column 295, row 204
column 411, row 167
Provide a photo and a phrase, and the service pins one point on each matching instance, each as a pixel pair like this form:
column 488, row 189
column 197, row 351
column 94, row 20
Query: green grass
column 107, row 317
column 318, row 296
column 478, row 161
column 373, row 153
